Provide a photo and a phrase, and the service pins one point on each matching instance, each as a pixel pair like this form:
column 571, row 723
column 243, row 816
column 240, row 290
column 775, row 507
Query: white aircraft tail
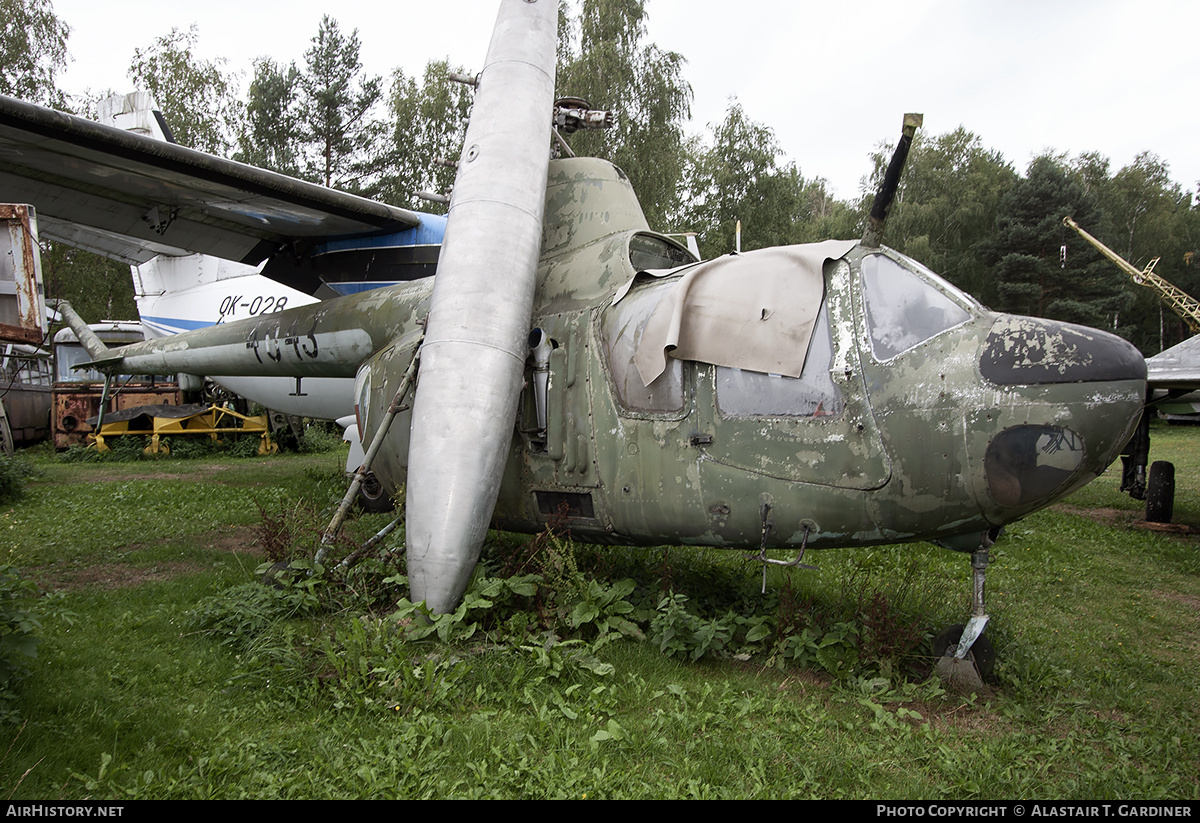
column 177, row 294
column 136, row 112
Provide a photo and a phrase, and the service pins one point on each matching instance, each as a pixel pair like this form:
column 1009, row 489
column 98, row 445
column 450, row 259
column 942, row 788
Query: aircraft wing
column 130, row 197
column 1176, row 368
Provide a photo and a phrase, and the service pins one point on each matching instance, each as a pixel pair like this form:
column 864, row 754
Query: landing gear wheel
column 982, row 653
column 1160, row 492
column 372, row 498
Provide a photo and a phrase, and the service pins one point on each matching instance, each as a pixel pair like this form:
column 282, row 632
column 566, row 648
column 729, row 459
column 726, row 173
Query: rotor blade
column 473, row 358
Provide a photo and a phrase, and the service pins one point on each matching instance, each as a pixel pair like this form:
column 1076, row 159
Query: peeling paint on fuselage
column 903, row 461
column 903, row 457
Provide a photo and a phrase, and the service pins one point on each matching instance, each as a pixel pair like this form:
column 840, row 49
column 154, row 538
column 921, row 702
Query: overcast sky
column 831, row 79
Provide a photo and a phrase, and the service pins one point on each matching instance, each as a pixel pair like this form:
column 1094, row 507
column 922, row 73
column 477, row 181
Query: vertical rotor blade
column 473, row 358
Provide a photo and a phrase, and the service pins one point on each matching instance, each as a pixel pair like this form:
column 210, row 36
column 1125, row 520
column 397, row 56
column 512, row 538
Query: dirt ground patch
column 119, row 575
column 1178, row 597
column 1123, row 517
column 130, row 471
column 1107, row 516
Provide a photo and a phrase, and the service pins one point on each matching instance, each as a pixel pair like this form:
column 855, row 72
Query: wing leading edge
column 131, row 197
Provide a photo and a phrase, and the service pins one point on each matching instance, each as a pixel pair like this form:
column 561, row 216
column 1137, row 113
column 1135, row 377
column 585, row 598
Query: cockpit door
column 817, row 428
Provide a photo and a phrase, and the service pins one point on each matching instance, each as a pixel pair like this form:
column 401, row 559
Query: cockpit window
column 903, row 309
column 743, row 393
column 649, row 252
column 621, row 329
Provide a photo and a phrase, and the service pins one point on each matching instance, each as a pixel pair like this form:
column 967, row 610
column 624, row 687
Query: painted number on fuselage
column 275, row 349
column 234, row 306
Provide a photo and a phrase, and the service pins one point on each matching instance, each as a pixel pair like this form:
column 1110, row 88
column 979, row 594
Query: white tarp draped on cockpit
column 752, row 311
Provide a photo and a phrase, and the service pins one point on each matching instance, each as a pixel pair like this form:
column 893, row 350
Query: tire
column 982, row 653
column 372, row 498
column 1160, row 492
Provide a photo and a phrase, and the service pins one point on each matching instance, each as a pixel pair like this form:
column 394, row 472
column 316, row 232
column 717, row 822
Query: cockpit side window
column 903, row 309
column 621, row 328
column 648, row 252
column 743, row 393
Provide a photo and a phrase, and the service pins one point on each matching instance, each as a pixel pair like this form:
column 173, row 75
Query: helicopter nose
column 1083, row 390
column 1029, row 351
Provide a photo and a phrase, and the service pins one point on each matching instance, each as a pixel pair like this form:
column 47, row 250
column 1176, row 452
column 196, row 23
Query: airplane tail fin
column 136, row 112
column 164, row 275
column 163, row 287
column 177, row 294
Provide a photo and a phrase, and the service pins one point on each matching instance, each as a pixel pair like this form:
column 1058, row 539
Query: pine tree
column 344, row 141
column 1034, row 274
column 270, row 136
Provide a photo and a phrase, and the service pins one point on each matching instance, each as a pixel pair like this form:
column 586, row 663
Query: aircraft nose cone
column 1029, row 350
column 1080, row 393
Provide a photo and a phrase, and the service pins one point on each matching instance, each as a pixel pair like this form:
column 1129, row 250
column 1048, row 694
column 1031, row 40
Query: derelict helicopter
column 567, row 359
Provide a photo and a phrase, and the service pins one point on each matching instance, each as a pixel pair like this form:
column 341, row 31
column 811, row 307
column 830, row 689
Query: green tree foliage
column 1140, row 200
column 345, row 143
column 427, row 125
column 948, row 215
column 33, row 48
column 1092, row 169
column 1034, row 275
column 1145, row 215
column 97, row 288
column 603, row 58
column 824, row 218
column 270, row 134
column 947, row 205
column 197, row 98
column 741, row 177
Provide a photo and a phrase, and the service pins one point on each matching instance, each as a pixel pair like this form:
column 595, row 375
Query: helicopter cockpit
column 907, row 304
column 851, row 368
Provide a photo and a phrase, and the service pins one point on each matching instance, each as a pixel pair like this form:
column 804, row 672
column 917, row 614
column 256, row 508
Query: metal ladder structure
column 1182, row 303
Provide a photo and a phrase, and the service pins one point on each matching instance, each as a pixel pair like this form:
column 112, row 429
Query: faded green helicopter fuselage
column 920, row 415
column 917, row 443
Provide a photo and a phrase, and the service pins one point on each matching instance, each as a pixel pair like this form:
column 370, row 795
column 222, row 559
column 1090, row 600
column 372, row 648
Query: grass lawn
column 164, row 673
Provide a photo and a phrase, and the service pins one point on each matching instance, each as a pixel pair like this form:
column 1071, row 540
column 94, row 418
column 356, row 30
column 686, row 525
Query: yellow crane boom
column 1182, row 303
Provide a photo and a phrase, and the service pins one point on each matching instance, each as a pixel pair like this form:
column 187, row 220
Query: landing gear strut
column 339, row 517
column 964, row 656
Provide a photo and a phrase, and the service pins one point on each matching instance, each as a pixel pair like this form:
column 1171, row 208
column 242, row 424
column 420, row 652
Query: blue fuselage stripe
column 175, row 324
